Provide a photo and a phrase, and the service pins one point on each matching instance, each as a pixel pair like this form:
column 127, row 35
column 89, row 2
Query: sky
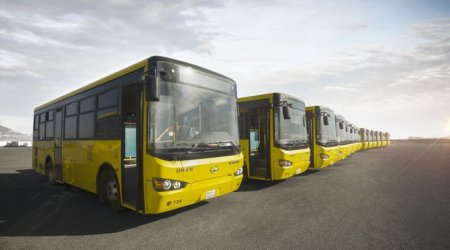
column 383, row 65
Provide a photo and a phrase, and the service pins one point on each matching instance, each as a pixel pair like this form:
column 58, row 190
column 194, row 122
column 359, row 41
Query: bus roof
column 340, row 118
column 96, row 83
column 124, row 71
column 320, row 109
column 267, row 96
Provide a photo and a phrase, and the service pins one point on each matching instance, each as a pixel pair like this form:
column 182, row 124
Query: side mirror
column 152, row 91
column 341, row 125
column 325, row 120
column 286, row 112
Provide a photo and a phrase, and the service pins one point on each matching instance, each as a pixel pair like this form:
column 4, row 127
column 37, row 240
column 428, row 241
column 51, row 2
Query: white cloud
column 351, row 56
column 11, row 60
column 340, row 88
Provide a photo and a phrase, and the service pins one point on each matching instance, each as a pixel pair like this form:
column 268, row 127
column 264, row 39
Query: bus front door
column 131, row 143
column 259, row 143
column 58, row 144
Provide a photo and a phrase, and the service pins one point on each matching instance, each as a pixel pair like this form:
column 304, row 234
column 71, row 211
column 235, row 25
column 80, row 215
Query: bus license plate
column 210, row 194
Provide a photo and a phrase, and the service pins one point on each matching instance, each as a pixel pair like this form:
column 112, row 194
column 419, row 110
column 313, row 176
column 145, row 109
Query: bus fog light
column 285, row 163
column 324, row 156
column 239, row 172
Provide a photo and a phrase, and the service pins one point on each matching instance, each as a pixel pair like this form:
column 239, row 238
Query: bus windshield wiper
column 228, row 143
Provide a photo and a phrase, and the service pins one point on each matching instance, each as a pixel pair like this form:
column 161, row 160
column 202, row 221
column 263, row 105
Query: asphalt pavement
column 396, row 197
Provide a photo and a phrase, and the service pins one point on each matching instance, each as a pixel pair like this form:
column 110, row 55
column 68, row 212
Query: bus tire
column 111, row 190
column 50, row 172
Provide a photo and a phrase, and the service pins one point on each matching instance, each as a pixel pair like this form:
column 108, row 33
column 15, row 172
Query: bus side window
column 108, row 124
column 36, row 127
column 49, row 125
column 42, row 126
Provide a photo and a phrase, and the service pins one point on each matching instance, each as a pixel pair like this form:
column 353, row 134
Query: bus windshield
column 341, row 134
column 291, row 133
column 326, row 134
column 195, row 115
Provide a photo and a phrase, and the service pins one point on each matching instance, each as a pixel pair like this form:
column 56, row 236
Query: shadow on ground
column 29, row 206
column 256, row 185
column 308, row 172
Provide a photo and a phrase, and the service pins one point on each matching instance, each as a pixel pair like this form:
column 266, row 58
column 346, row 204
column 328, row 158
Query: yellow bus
column 272, row 129
column 321, row 128
column 341, row 137
column 364, row 138
column 371, row 139
column 375, row 139
column 378, row 138
column 351, row 138
column 383, row 139
column 357, row 139
column 156, row 136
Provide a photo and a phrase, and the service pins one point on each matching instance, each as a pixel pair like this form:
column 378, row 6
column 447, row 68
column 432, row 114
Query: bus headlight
column 285, row 163
column 324, row 156
column 176, row 184
column 239, row 172
column 167, row 185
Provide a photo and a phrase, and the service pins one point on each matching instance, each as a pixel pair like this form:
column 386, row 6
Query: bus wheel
column 112, row 191
column 50, row 173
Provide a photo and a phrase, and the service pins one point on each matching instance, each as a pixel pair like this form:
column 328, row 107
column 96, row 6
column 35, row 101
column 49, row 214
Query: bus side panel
column 82, row 159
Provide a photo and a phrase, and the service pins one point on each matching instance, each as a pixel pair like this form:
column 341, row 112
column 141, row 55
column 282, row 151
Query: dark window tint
column 242, row 130
column 71, row 109
column 108, row 99
column 104, row 113
column 109, row 127
column 42, row 131
column 49, row 129
column 70, row 127
column 36, row 122
column 50, row 115
column 42, row 119
column 87, row 105
column 86, row 125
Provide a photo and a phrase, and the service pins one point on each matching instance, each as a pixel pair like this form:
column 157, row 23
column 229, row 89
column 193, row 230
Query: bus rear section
column 322, row 136
column 156, row 136
column 272, row 129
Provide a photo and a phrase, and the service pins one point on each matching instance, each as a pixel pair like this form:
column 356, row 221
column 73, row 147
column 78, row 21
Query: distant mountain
column 7, row 134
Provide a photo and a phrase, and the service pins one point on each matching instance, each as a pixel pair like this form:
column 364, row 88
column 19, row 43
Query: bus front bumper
column 159, row 202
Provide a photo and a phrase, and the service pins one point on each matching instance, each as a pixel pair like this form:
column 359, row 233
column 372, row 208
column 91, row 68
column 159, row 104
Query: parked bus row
column 280, row 137
column 163, row 134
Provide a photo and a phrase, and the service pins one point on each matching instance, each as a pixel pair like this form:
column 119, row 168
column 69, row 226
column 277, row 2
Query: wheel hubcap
column 111, row 190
